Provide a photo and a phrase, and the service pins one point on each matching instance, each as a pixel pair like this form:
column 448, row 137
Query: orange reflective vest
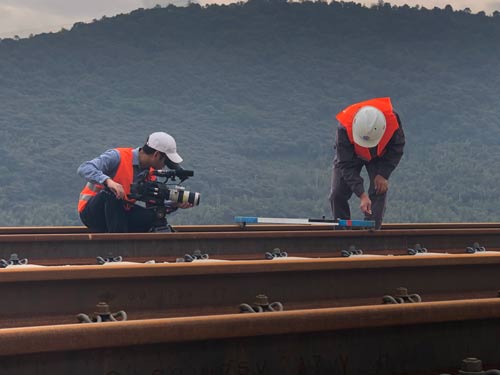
column 346, row 118
column 124, row 176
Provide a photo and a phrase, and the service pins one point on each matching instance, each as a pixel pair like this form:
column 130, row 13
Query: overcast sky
column 22, row 17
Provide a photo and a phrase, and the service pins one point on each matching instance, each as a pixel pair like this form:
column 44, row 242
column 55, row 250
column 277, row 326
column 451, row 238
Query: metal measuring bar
column 330, row 222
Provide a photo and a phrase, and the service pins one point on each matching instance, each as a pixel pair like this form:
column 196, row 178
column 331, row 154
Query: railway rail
column 55, row 295
column 417, row 339
column 249, row 227
column 84, row 248
column 184, row 317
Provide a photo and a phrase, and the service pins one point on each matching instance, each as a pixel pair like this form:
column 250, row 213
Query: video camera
column 154, row 194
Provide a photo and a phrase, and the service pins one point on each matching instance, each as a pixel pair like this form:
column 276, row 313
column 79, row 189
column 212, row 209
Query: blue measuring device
column 277, row 220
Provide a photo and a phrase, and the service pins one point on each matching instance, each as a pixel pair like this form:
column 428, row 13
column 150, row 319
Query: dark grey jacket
column 349, row 164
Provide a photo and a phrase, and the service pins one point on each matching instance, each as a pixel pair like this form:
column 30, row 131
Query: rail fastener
column 276, row 253
column 103, row 314
column 401, row 297
column 474, row 366
column 13, row 261
column 260, row 305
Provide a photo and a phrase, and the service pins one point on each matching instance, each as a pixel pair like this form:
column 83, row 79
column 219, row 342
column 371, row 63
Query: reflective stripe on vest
column 92, row 188
column 124, row 176
column 346, row 118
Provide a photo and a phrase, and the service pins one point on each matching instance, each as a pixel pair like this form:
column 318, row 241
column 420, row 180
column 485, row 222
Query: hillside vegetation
column 250, row 92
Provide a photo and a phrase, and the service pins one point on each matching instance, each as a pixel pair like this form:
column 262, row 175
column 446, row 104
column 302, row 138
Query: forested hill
column 250, row 92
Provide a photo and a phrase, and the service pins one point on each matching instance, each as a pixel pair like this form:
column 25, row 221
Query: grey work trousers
column 341, row 193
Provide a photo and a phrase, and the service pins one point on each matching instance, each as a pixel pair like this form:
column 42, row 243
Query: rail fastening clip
column 103, row 314
column 260, row 305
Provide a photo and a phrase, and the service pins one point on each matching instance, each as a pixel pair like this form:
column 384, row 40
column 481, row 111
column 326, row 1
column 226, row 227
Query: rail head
column 244, row 235
column 250, row 227
column 115, row 271
column 64, row 338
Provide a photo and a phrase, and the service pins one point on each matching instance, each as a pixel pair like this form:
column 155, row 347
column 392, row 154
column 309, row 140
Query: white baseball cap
column 368, row 126
column 165, row 143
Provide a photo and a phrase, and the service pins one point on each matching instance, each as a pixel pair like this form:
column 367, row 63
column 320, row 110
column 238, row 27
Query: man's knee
column 378, row 199
column 339, row 195
column 94, row 221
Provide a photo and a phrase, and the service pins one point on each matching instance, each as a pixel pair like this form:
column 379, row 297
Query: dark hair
column 150, row 151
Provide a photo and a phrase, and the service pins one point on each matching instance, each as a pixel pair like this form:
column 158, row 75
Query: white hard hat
column 368, row 126
column 165, row 143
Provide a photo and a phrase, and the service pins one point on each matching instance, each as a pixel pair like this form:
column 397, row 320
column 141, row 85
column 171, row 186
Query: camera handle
column 162, row 228
column 160, row 224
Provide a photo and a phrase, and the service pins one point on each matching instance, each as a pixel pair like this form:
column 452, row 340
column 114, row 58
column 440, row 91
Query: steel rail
column 249, row 227
column 51, row 295
column 83, row 248
column 402, row 339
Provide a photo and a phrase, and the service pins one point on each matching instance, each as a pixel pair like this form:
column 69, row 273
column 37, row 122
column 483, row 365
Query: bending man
column 369, row 134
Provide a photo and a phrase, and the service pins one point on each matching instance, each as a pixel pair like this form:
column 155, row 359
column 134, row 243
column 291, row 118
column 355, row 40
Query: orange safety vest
column 124, row 176
column 346, row 118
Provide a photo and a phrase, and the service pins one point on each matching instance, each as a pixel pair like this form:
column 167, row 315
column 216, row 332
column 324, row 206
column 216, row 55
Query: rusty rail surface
column 55, row 295
column 250, row 227
column 83, row 248
column 424, row 338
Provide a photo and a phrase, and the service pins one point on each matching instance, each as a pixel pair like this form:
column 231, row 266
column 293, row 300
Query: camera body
column 153, row 194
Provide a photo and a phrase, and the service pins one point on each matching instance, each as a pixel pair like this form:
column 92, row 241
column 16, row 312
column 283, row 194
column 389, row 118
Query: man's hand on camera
column 116, row 188
column 184, row 205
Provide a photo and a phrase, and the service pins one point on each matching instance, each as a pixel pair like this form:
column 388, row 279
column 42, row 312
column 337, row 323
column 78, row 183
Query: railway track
column 417, row 339
column 84, row 248
column 250, row 227
column 184, row 318
column 55, row 295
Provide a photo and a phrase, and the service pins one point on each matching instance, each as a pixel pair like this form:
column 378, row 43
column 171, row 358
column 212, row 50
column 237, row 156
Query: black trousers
column 341, row 193
column 104, row 213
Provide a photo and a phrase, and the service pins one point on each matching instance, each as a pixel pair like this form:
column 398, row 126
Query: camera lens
column 184, row 196
column 189, row 197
